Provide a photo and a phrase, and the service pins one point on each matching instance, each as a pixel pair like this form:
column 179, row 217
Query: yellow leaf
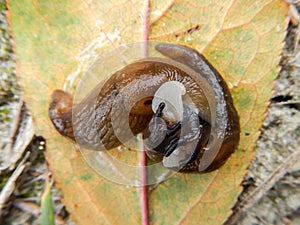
column 241, row 38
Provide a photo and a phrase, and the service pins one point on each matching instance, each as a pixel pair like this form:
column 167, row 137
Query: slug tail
column 60, row 112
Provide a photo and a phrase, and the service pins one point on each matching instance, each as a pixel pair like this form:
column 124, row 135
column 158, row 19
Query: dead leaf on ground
column 242, row 39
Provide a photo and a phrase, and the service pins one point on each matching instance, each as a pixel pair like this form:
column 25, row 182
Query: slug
column 180, row 104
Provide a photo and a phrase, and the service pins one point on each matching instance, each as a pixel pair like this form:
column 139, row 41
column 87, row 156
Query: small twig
column 9, row 187
column 256, row 195
column 294, row 15
column 34, row 210
column 20, row 135
column 295, row 103
column 36, row 199
column 15, row 123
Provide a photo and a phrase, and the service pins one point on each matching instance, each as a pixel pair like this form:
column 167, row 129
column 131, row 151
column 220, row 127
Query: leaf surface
column 242, row 39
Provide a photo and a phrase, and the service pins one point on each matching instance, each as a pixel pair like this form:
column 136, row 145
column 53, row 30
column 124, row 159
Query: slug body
column 199, row 138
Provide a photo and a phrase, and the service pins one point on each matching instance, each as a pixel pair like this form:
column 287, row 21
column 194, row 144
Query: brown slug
column 180, row 104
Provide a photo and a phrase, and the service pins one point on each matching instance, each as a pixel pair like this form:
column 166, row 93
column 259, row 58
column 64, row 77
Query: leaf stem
column 144, row 199
column 146, row 28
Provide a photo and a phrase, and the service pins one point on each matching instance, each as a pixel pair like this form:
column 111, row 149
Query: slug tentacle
column 180, row 104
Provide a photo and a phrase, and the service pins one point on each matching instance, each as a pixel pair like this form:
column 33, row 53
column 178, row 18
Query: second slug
column 180, row 104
